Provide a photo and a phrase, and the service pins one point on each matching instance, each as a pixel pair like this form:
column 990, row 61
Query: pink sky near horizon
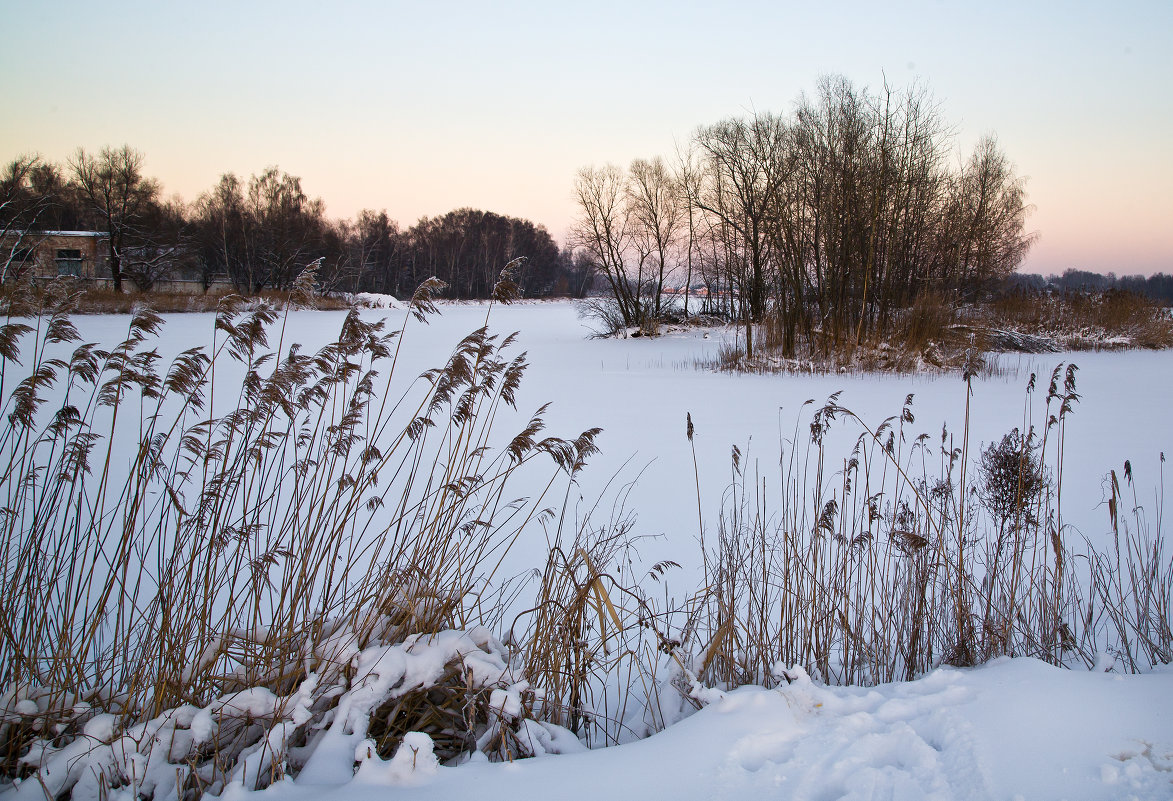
column 422, row 110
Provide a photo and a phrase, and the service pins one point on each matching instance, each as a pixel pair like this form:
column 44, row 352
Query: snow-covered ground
column 1009, row 729
column 1012, row 729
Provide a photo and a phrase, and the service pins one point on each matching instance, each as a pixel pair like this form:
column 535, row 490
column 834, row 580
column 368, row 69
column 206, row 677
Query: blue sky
column 424, row 107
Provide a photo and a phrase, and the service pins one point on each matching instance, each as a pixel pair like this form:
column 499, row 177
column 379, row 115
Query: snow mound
column 1010, row 729
column 373, row 300
column 318, row 733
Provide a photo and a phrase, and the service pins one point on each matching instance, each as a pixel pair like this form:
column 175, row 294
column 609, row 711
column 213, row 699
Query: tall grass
column 92, row 300
column 935, row 333
column 1086, row 320
column 165, row 545
column 1133, row 581
column 908, row 552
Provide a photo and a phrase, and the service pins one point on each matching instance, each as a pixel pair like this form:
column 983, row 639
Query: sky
column 419, row 108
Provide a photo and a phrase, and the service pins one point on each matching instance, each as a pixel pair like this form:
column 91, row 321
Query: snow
column 639, row 391
column 413, row 764
column 507, row 701
column 374, row 300
column 392, row 671
column 152, row 756
column 1009, row 729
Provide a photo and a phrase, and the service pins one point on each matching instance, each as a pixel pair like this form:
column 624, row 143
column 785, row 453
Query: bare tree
column 861, row 217
column 745, row 163
column 166, row 243
column 116, row 193
column 603, row 231
column 21, row 209
column 284, row 228
column 220, row 225
column 373, row 255
column 656, row 211
column 687, row 181
column 990, row 211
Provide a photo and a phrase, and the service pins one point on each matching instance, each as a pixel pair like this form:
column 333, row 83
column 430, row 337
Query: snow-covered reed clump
column 227, row 587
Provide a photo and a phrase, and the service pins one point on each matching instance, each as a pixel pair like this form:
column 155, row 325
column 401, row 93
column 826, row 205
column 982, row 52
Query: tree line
column 828, row 221
column 1158, row 287
column 261, row 233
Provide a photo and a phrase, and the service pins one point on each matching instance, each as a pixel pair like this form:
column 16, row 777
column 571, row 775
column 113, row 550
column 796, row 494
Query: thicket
column 936, row 334
column 306, row 575
column 1083, row 319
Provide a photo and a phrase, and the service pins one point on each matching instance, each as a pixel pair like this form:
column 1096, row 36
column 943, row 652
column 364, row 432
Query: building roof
column 71, row 233
column 92, row 234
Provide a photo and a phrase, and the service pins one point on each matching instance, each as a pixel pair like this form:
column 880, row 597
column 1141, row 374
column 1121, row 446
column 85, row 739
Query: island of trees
column 829, row 220
column 846, row 223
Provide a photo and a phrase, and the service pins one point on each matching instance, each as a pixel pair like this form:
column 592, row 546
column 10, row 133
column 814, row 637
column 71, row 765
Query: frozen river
column 640, row 390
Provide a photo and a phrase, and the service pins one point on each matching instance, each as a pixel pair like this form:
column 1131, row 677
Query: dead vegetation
column 1109, row 320
column 903, row 552
column 107, row 301
column 256, row 544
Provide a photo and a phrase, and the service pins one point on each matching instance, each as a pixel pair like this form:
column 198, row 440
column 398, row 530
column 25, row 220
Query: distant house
column 84, row 256
column 45, row 255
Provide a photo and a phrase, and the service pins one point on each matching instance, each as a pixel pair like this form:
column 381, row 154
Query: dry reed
column 237, row 537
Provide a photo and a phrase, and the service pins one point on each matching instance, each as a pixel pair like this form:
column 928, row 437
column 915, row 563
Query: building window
column 16, row 263
column 69, row 262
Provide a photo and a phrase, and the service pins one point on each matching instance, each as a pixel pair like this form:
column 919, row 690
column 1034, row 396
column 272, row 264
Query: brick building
column 45, row 255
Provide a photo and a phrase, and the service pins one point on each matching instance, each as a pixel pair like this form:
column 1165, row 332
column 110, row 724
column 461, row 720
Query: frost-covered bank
column 1009, row 729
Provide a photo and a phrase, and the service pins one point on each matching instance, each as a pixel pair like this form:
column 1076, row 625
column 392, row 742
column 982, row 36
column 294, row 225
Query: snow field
column 639, row 390
column 1007, row 730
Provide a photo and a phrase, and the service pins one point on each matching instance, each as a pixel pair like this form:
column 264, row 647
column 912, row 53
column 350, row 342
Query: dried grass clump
column 901, row 555
column 934, row 334
column 450, row 693
column 924, row 337
column 92, row 300
column 327, row 498
column 930, row 320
